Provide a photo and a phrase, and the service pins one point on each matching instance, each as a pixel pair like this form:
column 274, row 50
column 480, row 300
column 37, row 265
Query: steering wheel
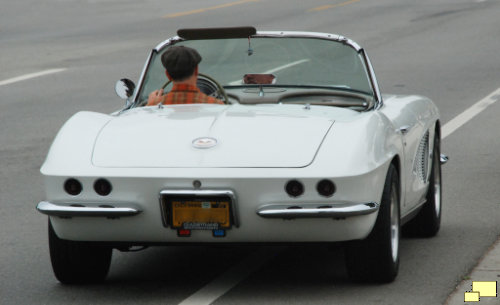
column 209, row 86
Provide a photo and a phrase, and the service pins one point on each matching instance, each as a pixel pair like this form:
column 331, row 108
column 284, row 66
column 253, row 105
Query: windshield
column 308, row 62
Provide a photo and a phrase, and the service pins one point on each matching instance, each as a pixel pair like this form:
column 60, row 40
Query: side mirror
column 125, row 88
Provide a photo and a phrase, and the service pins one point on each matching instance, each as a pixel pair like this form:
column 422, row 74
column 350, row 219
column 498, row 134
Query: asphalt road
column 444, row 49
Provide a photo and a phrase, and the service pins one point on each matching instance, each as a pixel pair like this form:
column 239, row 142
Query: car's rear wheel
column 376, row 258
column 428, row 220
column 76, row 262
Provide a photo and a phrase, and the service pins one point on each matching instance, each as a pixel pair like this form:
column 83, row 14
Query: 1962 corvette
column 305, row 149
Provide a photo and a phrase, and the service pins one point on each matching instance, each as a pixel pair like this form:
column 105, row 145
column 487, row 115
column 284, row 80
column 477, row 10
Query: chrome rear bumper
column 337, row 210
column 51, row 209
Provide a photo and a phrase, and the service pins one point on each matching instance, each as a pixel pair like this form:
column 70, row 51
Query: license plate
column 200, row 213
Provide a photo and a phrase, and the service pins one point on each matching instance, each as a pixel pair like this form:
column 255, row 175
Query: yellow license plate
column 200, row 214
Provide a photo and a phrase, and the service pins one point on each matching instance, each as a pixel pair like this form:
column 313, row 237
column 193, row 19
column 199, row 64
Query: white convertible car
column 305, row 149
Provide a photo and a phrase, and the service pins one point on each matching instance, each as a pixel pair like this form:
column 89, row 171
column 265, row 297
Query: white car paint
column 143, row 151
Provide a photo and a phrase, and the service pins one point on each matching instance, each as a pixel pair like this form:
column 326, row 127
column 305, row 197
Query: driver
column 181, row 64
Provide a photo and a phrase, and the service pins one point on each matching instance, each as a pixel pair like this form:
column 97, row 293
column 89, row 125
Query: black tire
column 78, row 262
column 428, row 220
column 376, row 258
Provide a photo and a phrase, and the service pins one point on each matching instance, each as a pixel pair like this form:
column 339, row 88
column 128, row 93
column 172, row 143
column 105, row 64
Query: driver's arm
column 155, row 97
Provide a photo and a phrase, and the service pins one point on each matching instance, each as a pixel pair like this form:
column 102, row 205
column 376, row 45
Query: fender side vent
column 422, row 158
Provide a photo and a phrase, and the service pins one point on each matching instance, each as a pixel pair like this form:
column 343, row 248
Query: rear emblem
column 204, row 143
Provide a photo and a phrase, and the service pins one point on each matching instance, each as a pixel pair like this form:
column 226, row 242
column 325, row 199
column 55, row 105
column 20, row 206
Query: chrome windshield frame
column 284, row 34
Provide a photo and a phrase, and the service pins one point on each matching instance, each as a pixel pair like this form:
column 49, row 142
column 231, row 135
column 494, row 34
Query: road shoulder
column 487, row 271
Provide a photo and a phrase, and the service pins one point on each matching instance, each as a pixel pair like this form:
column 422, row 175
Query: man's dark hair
column 180, row 62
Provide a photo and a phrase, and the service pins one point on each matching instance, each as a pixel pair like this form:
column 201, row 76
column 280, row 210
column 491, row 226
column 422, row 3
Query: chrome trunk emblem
column 204, row 142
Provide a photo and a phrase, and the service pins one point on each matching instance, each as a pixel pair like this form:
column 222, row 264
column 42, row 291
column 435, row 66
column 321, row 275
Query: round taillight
column 102, row 187
column 325, row 188
column 294, row 188
column 73, row 186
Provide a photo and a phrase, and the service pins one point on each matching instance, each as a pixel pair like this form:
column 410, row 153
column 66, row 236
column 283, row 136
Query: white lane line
column 298, row 62
column 277, row 69
column 30, row 76
column 469, row 113
column 225, row 282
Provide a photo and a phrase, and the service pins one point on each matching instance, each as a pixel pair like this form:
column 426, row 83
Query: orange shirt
column 187, row 94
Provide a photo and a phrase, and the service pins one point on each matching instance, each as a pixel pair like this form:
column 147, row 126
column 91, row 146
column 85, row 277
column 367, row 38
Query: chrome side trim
column 51, row 209
column 334, row 210
column 200, row 193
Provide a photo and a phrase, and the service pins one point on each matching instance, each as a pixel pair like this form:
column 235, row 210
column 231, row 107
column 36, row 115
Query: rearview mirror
column 259, row 79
